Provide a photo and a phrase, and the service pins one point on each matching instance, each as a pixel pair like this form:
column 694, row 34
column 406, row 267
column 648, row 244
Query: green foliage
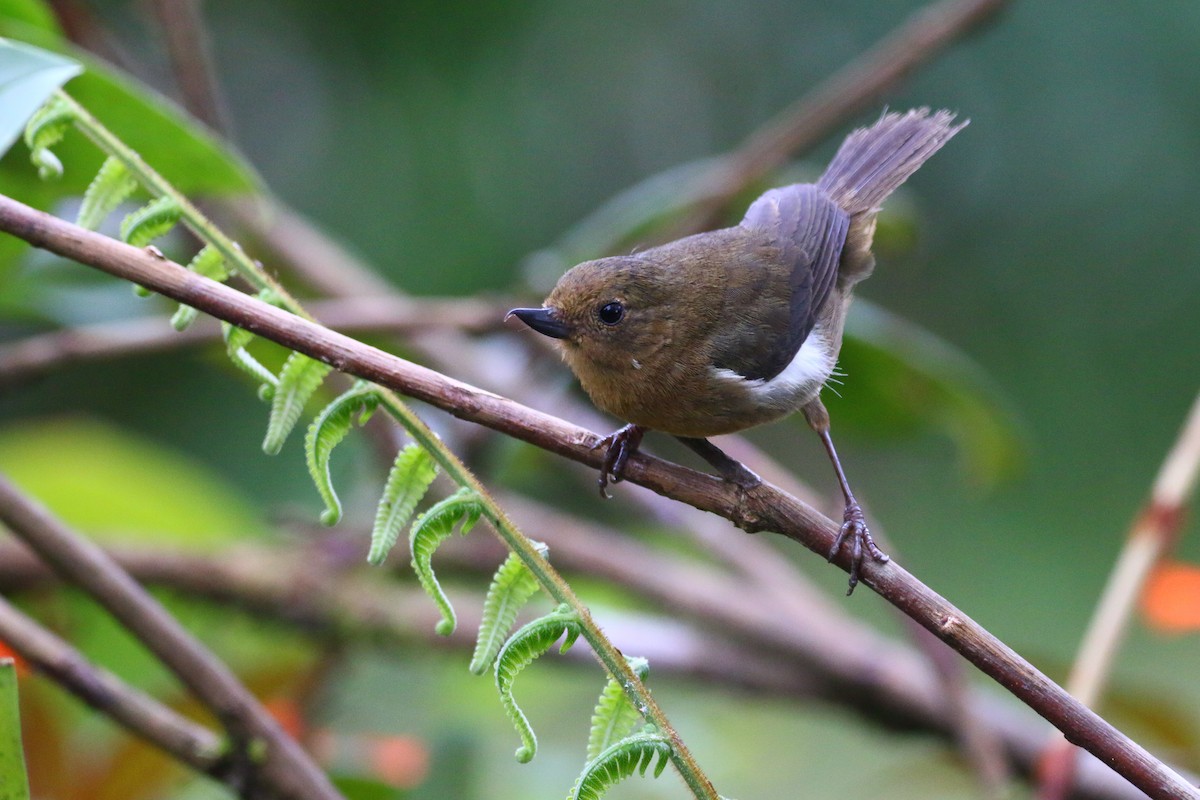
column 327, row 431
column 615, row 716
column 46, row 128
column 512, row 585
column 209, row 263
column 112, row 185
column 522, row 648
column 28, row 78
column 299, row 379
column 14, row 782
column 429, row 531
column 619, row 761
column 412, row 472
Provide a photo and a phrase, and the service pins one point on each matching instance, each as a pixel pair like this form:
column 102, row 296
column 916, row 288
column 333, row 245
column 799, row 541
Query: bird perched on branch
column 733, row 328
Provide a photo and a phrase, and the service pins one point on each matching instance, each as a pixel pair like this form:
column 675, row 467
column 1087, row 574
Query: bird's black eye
column 611, row 313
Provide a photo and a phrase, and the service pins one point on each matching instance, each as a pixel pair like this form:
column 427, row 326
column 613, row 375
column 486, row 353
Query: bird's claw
column 854, row 529
column 620, row 445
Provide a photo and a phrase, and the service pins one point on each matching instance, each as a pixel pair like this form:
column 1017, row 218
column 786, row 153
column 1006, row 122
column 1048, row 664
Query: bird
column 729, row 329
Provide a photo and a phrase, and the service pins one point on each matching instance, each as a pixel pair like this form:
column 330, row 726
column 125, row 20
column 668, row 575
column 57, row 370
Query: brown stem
column 763, row 508
column 186, row 38
column 284, row 767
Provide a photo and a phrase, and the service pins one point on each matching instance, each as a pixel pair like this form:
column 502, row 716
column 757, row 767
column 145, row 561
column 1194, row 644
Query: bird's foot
column 854, row 529
column 620, row 445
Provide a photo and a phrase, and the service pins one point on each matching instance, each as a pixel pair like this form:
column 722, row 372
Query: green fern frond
column 326, row 432
column 45, row 129
column 430, row 530
column 298, row 380
column 522, row 648
column 512, row 585
column 412, row 472
column 619, row 761
column 141, row 227
column 112, row 186
column 236, row 340
column 614, row 716
column 208, row 263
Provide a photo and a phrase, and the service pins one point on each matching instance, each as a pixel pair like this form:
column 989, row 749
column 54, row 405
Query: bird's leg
column 733, row 471
column 854, row 524
column 620, row 444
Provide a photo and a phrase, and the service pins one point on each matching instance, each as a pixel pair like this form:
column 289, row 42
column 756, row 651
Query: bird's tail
column 874, row 161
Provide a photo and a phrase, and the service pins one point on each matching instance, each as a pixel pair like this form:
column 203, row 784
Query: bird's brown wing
column 770, row 314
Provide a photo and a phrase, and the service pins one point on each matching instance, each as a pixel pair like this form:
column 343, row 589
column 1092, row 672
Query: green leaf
column 155, row 219
column 615, row 716
column 327, row 431
column 14, row 782
column 619, row 761
column 512, row 585
column 29, row 76
column 429, row 531
column 208, row 263
column 112, row 185
column 46, row 128
column 526, row 645
column 298, row 381
column 122, row 487
column 901, row 378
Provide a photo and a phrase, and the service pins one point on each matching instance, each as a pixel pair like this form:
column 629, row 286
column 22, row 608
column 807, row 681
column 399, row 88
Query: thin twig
column 1153, row 533
column 851, row 89
column 188, row 742
column 763, row 508
column 285, row 766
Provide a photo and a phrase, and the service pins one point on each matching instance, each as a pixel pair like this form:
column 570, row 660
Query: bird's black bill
column 542, row 320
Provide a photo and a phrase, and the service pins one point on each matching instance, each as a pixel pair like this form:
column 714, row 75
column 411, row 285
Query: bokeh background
column 1053, row 242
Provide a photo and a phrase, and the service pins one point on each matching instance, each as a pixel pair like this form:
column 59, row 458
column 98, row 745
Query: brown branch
column 853, row 88
column 141, row 714
column 763, row 508
column 285, row 768
column 295, row 587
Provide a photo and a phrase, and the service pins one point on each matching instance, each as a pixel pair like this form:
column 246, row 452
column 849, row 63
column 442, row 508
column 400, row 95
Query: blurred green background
column 1056, row 246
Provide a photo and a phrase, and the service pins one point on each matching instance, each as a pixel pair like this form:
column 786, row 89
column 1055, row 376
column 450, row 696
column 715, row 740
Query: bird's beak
column 542, row 320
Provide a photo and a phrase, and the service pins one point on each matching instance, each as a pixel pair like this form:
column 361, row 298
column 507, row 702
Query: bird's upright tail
column 874, row 161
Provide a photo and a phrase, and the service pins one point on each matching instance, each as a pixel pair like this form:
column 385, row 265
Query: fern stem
column 609, row 656
column 158, row 186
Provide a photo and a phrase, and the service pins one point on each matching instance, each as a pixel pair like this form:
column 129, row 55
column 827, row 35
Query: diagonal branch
column 285, row 767
column 178, row 736
column 763, row 508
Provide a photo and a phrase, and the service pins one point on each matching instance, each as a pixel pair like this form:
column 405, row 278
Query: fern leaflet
column 429, row 531
column 614, row 716
column 619, row 761
column 45, row 129
column 326, row 432
column 298, row 380
column 208, row 263
column 151, row 221
column 527, row 644
column 112, row 186
column 236, row 340
column 512, row 585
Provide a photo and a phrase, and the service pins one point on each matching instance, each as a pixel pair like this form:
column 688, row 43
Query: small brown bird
column 733, row 328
